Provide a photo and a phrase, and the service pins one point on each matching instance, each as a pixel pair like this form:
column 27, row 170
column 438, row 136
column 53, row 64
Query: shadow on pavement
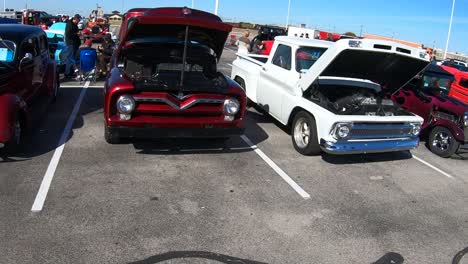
column 390, row 258
column 195, row 254
column 48, row 123
column 366, row 158
column 205, row 146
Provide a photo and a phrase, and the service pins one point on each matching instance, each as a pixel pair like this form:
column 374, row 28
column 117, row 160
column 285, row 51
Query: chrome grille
column 174, row 105
column 380, row 131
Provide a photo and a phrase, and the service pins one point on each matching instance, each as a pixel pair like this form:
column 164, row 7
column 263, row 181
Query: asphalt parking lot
column 251, row 200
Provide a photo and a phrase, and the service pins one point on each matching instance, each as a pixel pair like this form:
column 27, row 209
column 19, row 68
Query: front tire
column 110, row 136
column 442, row 142
column 304, row 134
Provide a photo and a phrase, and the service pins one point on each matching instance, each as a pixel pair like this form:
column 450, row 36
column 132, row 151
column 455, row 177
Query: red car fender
column 457, row 132
column 50, row 78
column 10, row 106
column 116, row 84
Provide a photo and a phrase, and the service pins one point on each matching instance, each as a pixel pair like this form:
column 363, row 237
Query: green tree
column 351, row 34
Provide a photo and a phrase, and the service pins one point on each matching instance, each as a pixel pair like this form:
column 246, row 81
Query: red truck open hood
column 204, row 28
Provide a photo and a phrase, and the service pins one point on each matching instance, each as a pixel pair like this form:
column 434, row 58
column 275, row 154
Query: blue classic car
column 56, row 39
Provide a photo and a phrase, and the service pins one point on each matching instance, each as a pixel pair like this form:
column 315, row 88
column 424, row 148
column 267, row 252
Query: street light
column 216, row 7
column 450, row 30
column 287, row 17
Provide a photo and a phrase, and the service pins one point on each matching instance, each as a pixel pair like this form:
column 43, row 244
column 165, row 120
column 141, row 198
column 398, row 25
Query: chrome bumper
column 362, row 147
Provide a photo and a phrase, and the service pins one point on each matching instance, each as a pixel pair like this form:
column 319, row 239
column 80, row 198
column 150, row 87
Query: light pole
column 287, row 17
column 193, row 4
column 450, row 30
column 4, row 5
column 216, row 7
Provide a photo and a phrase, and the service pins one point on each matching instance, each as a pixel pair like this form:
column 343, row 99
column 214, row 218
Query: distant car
column 452, row 61
column 459, row 86
column 26, row 74
column 56, row 39
column 95, row 30
column 445, row 126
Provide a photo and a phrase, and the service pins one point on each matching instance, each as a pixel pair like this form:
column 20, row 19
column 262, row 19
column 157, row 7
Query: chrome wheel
column 302, row 133
column 442, row 141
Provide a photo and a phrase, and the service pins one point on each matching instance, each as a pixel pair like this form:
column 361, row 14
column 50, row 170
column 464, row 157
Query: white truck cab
column 333, row 95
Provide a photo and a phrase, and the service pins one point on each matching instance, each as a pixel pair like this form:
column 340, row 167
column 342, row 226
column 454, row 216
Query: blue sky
column 415, row 20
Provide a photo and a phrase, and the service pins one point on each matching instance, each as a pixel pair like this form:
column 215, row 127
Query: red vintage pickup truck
column 164, row 80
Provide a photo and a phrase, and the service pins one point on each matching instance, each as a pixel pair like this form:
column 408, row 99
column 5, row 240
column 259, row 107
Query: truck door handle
column 264, row 69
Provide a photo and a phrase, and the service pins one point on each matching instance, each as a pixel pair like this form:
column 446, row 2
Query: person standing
column 106, row 49
column 243, row 44
column 73, row 42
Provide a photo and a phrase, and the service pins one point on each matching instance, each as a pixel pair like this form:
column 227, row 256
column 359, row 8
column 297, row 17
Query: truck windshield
column 307, row 56
column 435, row 81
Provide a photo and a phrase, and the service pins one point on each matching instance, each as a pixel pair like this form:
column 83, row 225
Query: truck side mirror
column 27, row 59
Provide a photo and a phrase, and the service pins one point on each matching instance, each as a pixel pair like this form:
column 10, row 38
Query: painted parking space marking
column 41, row 196
column 277, row 169
column 433, row 167
column 79, row 86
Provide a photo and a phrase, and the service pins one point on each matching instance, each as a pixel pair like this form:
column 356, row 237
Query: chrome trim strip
column 173, row 105
column 341, row 148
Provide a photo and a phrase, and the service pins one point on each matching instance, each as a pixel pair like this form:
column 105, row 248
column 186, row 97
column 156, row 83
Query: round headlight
column 343, row 131
column 231, row 106
column 125, row 104
column 416, row 129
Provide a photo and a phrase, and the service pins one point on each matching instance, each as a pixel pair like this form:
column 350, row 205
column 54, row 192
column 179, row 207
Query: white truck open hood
column 387, row 63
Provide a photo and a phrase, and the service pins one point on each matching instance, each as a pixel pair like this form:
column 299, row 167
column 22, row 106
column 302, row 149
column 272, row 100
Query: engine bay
column 164, row 70
column 353, row 98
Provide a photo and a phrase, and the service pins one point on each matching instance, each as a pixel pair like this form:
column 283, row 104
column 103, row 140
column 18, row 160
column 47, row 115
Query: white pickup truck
column 333, row 96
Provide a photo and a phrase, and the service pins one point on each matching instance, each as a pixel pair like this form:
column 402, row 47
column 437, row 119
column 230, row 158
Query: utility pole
column 216, row 7
column 123, row 7
column 287, row 17
column 4, row 5
column 360, row 33
column 450, row 30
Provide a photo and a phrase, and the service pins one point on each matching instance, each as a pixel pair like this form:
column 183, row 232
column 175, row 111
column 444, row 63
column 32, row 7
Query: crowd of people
column 75, row 47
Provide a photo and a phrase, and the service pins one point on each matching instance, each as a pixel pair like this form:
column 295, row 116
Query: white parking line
column 49, row 175
column 277, row 169
column 79, row 86
column 433, row 167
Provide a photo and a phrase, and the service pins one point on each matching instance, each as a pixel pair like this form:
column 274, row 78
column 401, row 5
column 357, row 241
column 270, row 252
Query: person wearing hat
column 73, row 42
column 106, row 49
